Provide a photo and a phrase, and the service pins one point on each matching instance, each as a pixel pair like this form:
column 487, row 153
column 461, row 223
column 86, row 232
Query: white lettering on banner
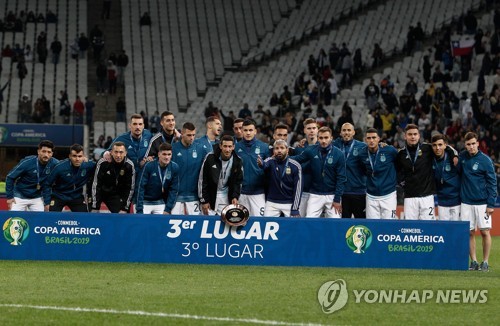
column 254, row 232
column 234, row 250
column 67, row 230
column 410, row 238
column 416, row 296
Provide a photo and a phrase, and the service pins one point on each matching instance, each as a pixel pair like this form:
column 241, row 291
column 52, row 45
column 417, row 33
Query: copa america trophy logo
column 15, row 230
column 235, row 215
column 358, row 238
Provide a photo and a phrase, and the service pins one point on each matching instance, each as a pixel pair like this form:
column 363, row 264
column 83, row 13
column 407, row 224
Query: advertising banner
column 29, row 135
column 207, row 240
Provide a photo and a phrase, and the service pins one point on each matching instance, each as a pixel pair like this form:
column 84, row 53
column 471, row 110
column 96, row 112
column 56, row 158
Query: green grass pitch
column 50, row 293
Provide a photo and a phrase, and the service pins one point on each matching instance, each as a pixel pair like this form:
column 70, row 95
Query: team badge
column 145, row 143
column 84, row 172
column 447, row 168
column 382, row 158
column 257, row 151
column 419, row 152
column 330, row 160
column 355, row 152
column 288, row 170
column 195, row 155
column 168, row 174
column 122, row 172
column 475, row 166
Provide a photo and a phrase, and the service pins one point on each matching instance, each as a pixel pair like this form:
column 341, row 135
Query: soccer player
column 381, row 199
column 188, row 155
column 253, row 188
column 221, row 176
column 447, row 180
column 328, row 176
column 414, row 164
column 114, row 182
column 136, row 142
column 281, row 132
column 354, row 197
column 158, row 184
column 167, row 134
column 64, row 185
column 285, row 182
column 23, row 185
column 478, row 194
column 311, row 138
column 211, row 138
column 238, row 129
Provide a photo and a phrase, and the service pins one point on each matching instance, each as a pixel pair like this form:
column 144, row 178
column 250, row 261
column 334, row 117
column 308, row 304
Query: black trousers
column 114, row 203
column 76, row 205
column 353, row 205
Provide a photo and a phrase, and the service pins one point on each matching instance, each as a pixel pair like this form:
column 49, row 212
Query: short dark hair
column 470, row 135
column 188, row 126
column 46, row 143
column 249, row 122
column 238, row 120
column 165, row 147
column 410, row 126
column 227, row 138
column 371, row 131
column 281, row 126
column 165, row 114
column 76, row 147
column 136, row 116
column 118, row 144
column 437, row 137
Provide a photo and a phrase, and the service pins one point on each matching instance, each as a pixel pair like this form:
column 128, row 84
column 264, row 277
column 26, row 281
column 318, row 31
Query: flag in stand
column 462, row 47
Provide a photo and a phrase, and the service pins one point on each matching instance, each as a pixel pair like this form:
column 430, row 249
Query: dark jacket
column 112, row 179
column 209, row 178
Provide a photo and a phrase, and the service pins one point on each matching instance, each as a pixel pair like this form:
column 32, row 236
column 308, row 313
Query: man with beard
column 214, row 129
column 114, row 182
column 414, row 165
column 221, row 175
column 23, row 185
column 64, row 185
column 285, row 182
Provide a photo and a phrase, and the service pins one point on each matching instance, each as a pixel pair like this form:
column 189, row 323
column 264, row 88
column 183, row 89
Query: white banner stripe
column 155, row 314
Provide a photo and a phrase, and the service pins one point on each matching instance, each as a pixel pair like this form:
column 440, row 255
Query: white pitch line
column 156, row 314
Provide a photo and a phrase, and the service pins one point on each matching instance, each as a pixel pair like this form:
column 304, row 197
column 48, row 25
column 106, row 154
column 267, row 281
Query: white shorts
column 476, row 215
column 254, row 203
column 381, row 207
column 153, row 209
column 221, row 201
column 187, row 208
column 319, row 203
column 32, row 205
column 275, row 209
column 303, row 204
column 451, row 213
column 419, row 208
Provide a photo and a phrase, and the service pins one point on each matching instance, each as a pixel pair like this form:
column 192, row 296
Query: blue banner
column 29, row 135
column 263, row 241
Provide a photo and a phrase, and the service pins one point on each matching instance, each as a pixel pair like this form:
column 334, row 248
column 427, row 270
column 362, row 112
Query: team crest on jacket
column 195, row 155
column 330, row 160
column 84, row 172
column 168, row 174
column 145, row 143
column 122, row 172
column 419, row 152
column 257, row 151
column 355, row 152
column 382, row 158
column 475, row 166
column 447, row 168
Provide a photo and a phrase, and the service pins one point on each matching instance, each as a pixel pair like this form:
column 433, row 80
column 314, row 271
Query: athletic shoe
column 484, row 267
column 474, row 266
